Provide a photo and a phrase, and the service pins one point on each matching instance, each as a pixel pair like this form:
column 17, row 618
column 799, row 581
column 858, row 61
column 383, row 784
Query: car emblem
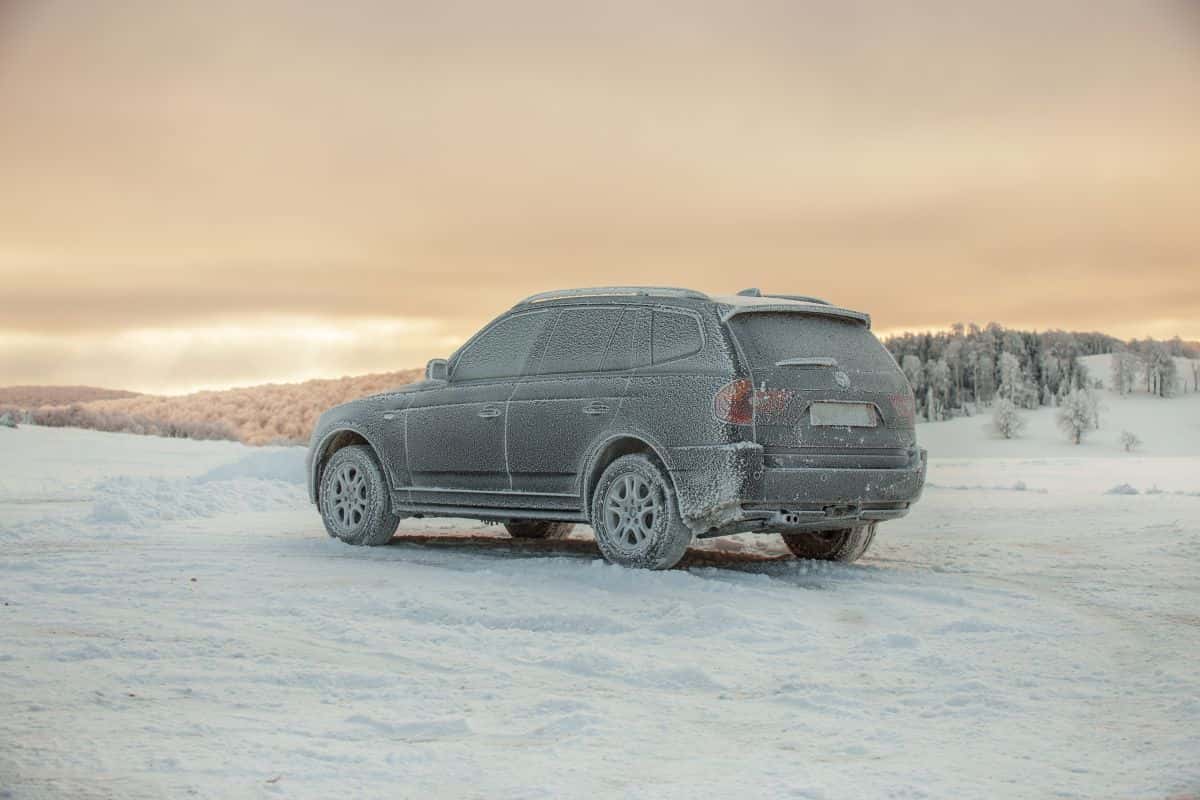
column 841, row 379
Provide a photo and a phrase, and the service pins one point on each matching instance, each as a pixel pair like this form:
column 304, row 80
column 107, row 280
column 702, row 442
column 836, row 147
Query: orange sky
column 204, row 193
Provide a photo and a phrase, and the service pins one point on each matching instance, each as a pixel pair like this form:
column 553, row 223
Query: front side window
column 580, row 338
column 502, row 350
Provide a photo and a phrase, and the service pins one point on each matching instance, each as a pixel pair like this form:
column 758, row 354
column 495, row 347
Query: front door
column 456, row 437
column 455, row 434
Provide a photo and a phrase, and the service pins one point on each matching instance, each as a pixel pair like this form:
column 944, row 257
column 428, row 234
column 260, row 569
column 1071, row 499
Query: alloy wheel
column 631, row 507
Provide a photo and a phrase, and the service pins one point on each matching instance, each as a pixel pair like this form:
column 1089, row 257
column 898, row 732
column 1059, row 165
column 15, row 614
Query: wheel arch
column 330, row 443
column 609, row 450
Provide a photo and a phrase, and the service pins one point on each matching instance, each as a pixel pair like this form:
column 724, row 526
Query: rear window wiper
column 815, row 361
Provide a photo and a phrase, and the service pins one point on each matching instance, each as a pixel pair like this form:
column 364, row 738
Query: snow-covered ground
column 176, row 623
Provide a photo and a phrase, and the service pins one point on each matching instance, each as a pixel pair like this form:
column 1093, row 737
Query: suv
column 654, row 414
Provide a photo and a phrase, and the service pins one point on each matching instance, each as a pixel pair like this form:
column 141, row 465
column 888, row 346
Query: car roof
column 748, row 301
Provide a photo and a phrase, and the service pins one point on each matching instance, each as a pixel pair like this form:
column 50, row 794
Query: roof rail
column 604, row 291
column 800, row 297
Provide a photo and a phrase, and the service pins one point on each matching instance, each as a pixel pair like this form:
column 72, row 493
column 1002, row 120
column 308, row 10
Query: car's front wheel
column 845, row 545
column 635, row 516
column 354, row 500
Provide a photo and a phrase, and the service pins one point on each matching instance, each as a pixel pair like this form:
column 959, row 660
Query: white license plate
column 854, row 415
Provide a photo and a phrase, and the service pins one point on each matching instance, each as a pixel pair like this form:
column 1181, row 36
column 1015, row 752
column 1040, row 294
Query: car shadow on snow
column 702, row 558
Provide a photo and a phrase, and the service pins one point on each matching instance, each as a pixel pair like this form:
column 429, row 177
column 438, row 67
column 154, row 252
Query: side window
column 630, row 345
column 579, row 340
column 501, row 352
column 675, row 335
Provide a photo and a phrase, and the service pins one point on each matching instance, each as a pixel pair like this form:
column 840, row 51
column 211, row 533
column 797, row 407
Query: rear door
column 825, row 391
column 569, row 398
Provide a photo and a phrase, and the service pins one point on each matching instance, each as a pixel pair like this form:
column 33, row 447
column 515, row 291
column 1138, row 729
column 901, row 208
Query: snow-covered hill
column 1166, row 426
column 174, row 622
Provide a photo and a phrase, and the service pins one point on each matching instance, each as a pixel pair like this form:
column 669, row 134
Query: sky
column 207, row 193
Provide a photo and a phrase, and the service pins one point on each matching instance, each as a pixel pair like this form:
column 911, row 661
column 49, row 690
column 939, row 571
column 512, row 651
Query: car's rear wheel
column 844, row 545
column 354, row 500
column 635, row 516
column 537, row 529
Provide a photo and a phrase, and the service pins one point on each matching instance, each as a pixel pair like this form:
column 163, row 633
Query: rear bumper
column 723, row 490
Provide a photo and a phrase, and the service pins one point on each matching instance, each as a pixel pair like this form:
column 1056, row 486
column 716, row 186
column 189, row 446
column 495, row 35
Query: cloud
column 203, row 163
column 182, row 359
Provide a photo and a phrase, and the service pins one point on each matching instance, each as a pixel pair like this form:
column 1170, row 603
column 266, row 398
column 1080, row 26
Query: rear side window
column 580, row 338
column 676, row 335
column 502, row 350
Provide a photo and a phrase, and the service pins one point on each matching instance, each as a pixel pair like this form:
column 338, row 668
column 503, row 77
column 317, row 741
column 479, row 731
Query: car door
column 455, row 435
column 570, row 397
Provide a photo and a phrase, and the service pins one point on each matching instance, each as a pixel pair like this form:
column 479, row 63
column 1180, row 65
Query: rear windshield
column 770, row 337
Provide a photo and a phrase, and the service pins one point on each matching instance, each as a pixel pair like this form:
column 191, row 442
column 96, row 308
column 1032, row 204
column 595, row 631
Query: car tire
column 538, row 529
column 844, row 545
column 635, row 516
column 354, row 500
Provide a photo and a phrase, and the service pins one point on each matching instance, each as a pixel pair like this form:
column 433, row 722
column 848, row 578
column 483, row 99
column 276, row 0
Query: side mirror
column 438, row 369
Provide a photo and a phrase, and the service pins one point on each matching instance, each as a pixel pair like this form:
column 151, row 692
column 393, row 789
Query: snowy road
column 175, row 623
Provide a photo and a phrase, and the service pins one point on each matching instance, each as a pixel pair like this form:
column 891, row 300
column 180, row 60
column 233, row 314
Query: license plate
column 854, row 415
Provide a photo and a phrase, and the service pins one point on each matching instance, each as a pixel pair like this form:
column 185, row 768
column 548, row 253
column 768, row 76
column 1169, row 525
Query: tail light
column 734, row 402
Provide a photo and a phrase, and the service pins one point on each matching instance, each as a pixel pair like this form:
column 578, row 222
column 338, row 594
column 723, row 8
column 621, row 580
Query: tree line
column 267, row 414
column 953, row 372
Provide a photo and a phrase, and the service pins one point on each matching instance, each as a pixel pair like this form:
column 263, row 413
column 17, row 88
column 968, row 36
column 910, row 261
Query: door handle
column 488, row 412
column 595, row 408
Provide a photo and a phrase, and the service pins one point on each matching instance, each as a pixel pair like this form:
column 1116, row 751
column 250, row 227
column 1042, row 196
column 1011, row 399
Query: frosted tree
column 1011, row 378
column 1162, row 371
column 1051, row 376
column 1006, row 420
column 1124, row 371
column 1195, row 375
column 1080, row 372
column 954, row 356
column 1130, row 441
column 937, row 379
column 1077, row 415
column 913, row 370
column 8, row 420
column 985, row 378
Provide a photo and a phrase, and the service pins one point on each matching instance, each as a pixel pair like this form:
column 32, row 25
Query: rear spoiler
column 814, row 309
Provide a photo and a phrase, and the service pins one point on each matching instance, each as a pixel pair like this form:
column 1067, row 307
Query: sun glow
column 271, row 348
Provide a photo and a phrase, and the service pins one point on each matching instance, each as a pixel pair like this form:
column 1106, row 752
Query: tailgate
column 825, row 389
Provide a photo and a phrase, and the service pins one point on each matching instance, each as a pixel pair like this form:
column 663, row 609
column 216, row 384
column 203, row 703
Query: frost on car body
column 754, row 413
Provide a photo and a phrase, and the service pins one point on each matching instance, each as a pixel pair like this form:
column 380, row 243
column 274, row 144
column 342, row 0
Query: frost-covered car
column 654, row 414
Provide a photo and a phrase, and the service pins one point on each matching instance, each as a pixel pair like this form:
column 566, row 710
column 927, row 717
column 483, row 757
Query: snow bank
column 269, row 480
column 140, row 502
column 147, row 482
column 285, row 465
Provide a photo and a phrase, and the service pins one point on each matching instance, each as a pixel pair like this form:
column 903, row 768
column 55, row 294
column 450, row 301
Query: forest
column 267, row 414
column 954, row 372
